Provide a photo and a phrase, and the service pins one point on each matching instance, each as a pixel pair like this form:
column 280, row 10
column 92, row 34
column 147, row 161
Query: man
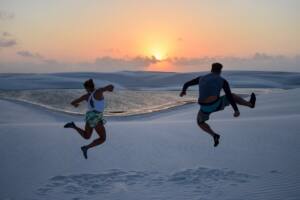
column 94, row 115
column 210, row 101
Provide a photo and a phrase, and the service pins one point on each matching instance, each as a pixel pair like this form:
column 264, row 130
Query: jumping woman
column 94, row 115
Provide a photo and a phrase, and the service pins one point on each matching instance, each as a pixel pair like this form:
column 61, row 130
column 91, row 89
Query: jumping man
column 210, row 86
column 94, row 115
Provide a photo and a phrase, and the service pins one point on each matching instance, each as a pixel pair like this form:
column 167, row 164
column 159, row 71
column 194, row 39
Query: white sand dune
column 138, row 80
column 156, row 156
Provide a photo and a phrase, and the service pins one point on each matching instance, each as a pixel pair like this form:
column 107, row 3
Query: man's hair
column 89, row 84
column 216, row 68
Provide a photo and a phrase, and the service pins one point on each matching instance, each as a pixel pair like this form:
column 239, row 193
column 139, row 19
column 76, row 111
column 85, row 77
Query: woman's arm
column 76, row 102
column 99, row 92
column 108, row 88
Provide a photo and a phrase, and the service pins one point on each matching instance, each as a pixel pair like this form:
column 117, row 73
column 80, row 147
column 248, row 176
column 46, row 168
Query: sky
column 170, row 35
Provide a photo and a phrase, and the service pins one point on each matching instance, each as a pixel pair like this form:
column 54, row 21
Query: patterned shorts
column 93, row 118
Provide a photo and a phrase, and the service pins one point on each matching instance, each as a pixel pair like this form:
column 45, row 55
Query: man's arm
column 99, row 92
column 188, row 84
column 76, row 102
column 229, row 96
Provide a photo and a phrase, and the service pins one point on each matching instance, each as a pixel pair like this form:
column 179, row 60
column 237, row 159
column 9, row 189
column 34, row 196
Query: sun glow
column 156, row 45
column 159, row 53
column 158, row 56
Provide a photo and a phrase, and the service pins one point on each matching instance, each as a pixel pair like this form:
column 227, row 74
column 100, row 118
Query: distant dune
column 141, row 79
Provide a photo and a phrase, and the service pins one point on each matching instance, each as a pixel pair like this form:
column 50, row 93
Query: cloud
column 50, row 61
column 29, row 54
column 7, row 42
column 137, row 62
column 6, row 34
column 6, row 15
column 183, row 61
column 39, row 58
column 259, row 61
column 39, row 64
column 105, row 63
column 111, row 50
column 261, row 56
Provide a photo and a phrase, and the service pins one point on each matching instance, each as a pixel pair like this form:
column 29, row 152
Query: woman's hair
column 89, row 84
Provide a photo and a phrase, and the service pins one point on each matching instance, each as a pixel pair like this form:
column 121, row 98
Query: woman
column 94, row 115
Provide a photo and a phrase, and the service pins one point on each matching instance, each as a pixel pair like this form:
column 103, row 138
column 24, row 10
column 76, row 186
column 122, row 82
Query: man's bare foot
column 216, row 139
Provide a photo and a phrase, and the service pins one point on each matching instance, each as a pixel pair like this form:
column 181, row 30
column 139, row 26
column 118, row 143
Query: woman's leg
column 100, row 129
column 86, row 133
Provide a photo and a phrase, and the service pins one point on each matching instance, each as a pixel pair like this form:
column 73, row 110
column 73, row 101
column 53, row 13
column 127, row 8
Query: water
column 118, row 103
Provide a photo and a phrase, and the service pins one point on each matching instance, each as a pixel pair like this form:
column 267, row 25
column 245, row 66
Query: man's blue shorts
column 207, row 109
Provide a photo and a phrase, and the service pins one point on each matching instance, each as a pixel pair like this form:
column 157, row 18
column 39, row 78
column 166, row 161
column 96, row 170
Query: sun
column 157, row 47
column 158, row 55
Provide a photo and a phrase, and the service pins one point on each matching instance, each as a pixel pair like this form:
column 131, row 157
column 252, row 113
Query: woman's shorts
column 93, row 118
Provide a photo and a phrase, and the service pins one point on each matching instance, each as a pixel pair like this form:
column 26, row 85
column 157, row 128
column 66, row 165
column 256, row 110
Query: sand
column 155, row 156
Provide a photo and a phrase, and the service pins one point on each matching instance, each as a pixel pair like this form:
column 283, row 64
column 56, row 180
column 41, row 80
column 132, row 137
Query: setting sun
column 156, row 45
column 158, row 55
column 159, row 52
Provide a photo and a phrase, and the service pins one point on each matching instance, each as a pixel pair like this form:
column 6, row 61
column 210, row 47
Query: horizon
column 147, row 71
column 169, row 36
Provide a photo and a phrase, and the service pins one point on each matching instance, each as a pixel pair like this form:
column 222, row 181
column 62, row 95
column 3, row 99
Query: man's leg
column 205, row 127
column 239, row 100
column 201, row 118
column 100, row 129
column 86, row 134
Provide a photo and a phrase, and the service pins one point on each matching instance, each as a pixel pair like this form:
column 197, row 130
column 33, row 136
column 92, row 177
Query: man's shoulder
column 224, row 79
column 205, row 75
